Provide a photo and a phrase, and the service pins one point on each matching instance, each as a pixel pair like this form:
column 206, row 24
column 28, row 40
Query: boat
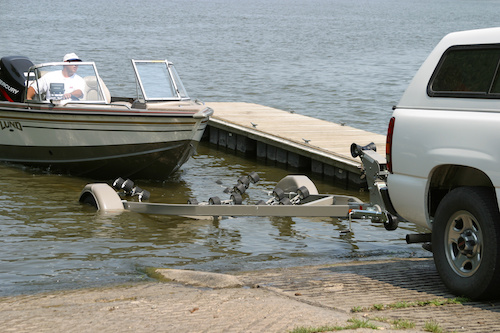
column 96, row 135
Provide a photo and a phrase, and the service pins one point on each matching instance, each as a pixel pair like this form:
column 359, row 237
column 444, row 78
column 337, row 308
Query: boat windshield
column 63, row 81
column 159, row 81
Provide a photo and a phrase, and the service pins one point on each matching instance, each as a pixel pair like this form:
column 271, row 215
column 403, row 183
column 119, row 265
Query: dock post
column 245, row 145
column 231, row 140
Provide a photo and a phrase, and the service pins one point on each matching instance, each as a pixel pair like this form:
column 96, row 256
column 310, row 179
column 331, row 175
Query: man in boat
column 63, row 84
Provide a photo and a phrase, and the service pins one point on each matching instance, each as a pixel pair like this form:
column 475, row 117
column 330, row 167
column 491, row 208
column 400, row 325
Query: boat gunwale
column 115, row 111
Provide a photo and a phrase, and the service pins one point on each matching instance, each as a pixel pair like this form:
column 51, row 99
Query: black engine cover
column 13, row 71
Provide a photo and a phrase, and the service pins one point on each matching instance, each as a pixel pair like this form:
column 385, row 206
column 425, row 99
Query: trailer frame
column 105, row 198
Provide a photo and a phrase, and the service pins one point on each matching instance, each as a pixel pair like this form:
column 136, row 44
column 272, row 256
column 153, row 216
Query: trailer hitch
column 376, row 215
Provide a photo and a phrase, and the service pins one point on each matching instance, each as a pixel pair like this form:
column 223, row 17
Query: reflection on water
column 50, row 241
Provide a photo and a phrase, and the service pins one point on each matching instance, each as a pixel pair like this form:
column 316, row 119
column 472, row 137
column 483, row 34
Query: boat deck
column 291, row 139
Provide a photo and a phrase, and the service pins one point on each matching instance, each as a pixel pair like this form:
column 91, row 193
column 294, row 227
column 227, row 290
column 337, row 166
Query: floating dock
column 295, row 141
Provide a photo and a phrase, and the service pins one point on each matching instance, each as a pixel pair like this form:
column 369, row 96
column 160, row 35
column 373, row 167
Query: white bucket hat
column 71, row 57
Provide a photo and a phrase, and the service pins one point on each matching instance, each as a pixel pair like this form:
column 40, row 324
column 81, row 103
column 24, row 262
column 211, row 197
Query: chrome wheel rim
column 463, row 243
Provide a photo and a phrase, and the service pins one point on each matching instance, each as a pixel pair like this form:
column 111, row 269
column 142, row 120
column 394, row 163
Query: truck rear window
column 467, row 71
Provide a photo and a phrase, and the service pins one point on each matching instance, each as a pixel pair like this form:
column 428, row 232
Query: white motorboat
column 96, row 135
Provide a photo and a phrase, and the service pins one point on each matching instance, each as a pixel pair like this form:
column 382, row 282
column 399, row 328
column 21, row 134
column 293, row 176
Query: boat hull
column 101, row 142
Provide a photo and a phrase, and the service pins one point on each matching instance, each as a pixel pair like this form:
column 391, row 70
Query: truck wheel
column 465, row 244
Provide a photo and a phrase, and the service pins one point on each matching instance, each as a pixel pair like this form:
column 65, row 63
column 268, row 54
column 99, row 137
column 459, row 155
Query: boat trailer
column 293, row 196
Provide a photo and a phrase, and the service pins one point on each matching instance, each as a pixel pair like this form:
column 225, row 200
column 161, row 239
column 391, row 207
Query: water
column 50, row 241
column 338, row 60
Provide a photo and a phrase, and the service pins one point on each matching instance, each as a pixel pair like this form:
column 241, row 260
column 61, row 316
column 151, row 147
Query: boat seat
column 91, row 90
column 125, row 104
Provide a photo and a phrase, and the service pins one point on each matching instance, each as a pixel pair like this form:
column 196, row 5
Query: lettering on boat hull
column 11, row 125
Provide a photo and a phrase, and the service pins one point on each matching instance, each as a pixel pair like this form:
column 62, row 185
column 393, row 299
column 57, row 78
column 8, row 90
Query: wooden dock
column 296, row 141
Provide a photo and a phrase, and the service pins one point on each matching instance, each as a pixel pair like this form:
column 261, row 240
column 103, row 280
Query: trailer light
column 388, row 146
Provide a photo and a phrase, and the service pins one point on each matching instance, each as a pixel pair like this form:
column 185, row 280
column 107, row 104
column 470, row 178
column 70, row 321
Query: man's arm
column 79, row 88
column 75, row 93
column 31, row 92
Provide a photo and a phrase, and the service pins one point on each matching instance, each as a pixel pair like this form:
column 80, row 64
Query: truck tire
column 465, row 242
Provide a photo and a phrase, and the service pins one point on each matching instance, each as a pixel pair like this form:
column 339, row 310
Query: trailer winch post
column 375, row 171
column 376, row 174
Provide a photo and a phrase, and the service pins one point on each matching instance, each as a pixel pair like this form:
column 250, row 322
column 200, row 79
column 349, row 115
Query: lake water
column 338, row 60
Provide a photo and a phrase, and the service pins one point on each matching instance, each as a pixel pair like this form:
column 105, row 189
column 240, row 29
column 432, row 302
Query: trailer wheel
column 88, row 199
column 465, row 245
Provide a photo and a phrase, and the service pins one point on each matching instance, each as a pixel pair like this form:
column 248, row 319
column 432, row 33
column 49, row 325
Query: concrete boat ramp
column 290, row 139
column 398, row 295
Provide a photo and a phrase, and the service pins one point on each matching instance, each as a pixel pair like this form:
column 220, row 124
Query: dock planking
column 297, row 141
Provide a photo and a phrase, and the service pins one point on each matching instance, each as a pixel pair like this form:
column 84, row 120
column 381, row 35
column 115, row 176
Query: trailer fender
column 101, row 196
column 292, row 182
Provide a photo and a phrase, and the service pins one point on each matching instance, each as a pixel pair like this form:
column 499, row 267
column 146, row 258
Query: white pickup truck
column 443, row 159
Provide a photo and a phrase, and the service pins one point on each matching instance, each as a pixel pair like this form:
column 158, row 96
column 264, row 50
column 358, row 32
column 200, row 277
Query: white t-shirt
column 71, row 84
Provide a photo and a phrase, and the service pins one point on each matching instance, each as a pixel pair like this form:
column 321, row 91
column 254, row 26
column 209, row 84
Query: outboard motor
column 13, row 71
